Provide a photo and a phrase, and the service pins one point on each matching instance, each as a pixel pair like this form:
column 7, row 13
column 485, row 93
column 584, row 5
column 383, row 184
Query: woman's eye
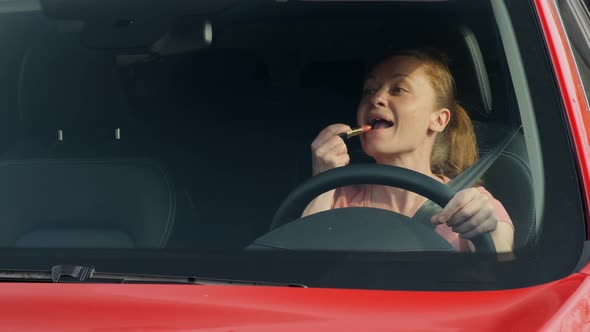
column 396, row 90
column 368, row 91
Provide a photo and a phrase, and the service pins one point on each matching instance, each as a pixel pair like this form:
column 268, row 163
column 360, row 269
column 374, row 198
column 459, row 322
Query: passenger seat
column 74, row 179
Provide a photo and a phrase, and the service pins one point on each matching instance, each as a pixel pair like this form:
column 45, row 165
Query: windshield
column 245, row 140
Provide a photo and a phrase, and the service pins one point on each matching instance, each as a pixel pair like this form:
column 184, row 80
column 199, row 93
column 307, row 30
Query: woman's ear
column 439, row 120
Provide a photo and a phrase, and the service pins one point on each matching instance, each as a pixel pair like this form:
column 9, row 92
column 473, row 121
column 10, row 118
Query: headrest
column 64, row 86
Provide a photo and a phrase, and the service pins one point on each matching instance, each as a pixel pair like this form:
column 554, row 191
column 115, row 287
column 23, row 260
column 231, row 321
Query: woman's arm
column 503, row 237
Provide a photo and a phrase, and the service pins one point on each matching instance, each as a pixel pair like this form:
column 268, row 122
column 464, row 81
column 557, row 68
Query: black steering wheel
column 360, row 228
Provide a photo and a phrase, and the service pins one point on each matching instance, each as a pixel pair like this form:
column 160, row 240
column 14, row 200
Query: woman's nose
column 379, row 98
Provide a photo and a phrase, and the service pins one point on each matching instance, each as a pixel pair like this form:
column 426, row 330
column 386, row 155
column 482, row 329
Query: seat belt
column 466, row 179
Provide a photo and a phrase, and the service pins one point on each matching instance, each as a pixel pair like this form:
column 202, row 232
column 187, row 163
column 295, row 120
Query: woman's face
column 399, row 101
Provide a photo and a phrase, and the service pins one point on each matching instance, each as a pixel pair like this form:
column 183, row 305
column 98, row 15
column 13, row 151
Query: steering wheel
column 361, row 228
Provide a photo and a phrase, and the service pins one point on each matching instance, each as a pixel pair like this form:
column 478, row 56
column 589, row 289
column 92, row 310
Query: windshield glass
column 314, row 143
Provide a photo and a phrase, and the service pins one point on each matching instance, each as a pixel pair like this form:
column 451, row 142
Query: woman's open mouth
column 377, row 123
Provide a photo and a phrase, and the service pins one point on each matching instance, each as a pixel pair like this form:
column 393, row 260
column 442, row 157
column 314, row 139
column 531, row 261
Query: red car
column 155, row 164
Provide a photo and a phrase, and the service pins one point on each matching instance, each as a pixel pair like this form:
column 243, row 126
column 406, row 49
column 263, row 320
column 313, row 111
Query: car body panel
column 572, row 92
column 574, row 315
column 108, row 307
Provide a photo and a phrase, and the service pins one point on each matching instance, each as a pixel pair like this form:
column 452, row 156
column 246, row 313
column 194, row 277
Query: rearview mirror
column 186, row 35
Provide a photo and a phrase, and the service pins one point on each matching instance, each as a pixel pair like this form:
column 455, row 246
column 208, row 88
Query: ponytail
column 455, row 149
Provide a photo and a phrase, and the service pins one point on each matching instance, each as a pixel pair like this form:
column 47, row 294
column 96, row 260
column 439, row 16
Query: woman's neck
column 415, row 160
column 403, row 201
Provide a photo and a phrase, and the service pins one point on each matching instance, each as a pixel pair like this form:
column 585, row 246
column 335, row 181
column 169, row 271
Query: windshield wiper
column 84, row 273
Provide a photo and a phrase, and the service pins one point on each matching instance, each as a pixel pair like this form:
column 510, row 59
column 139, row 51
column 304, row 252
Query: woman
column 408, row 99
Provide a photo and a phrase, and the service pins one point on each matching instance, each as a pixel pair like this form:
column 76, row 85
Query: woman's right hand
column 328, row 150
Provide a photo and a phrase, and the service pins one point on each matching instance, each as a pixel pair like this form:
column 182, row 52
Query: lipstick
column 355, row 131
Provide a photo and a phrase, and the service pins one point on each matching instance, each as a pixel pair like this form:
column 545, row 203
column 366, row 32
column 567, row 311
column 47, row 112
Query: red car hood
column 108, row 307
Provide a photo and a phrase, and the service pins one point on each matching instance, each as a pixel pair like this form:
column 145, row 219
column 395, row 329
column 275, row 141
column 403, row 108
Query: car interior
column 137, row 130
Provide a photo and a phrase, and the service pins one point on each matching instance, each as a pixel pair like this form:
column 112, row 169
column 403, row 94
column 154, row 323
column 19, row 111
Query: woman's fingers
column 469, row 213
column 485, row 227
column 327, row 133
column 328, row 150
column 458, row 201
column 334, row 145
column 471, row 223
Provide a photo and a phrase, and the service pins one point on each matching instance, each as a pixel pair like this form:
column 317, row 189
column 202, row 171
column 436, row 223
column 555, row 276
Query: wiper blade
column 84, row 273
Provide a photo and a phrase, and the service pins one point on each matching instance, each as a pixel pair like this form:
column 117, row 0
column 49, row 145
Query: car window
column 164, row 138
column 576, row 20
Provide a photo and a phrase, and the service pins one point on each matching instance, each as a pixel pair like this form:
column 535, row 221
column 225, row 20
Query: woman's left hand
column 469, row 213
